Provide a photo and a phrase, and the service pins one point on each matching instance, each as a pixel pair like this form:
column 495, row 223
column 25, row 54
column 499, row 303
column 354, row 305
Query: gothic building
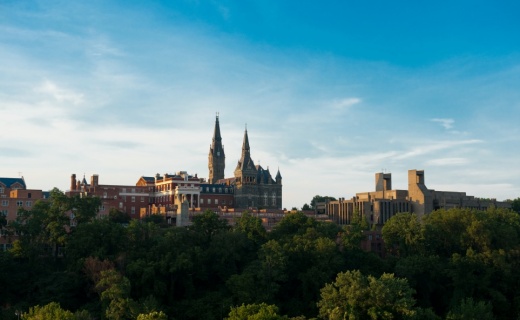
column 216, row 158
column 253, row 186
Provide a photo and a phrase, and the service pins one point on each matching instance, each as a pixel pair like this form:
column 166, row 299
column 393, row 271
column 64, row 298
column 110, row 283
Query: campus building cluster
column 250, row 187
column 382, row 204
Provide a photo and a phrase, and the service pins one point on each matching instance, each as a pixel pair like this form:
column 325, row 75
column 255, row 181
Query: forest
column 451, row 264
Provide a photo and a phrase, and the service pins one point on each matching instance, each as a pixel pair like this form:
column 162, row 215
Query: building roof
column 8, row 182
column 263, row 175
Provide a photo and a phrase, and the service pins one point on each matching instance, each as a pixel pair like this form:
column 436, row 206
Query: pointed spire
column 245, row 143
column 216, row 134
column 278, row 175
column 216, row 159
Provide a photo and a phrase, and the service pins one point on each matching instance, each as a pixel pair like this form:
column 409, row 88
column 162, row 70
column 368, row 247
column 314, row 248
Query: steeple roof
column 216, row 134
column 278, row 175
column 245, row 144
column 245, row 161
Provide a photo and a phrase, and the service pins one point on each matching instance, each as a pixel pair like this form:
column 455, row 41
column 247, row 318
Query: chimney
column 73, row 182
column 94, row 180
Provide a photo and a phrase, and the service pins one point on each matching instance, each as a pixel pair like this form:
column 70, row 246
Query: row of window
column 5, row 203
column 216, row 202
column 214, row 190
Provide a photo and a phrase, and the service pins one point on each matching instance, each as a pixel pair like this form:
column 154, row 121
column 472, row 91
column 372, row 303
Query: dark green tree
column 318, row 198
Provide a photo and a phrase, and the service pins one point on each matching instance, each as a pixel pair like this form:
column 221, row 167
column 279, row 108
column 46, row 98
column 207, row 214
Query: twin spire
column 217, row 158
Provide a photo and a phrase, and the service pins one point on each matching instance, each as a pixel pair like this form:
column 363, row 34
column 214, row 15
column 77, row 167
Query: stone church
column 253, row 186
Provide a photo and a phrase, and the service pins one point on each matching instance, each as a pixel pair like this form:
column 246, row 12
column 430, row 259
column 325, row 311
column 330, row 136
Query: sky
column 331, row 92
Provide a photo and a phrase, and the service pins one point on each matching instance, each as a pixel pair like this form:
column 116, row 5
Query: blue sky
column 331, row 92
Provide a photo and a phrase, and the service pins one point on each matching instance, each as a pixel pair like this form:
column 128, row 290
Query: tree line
column 455, row 264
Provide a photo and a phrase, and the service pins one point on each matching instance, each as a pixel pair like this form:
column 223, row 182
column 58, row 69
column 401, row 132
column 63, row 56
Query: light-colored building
column 380, row 205
column 14, row 195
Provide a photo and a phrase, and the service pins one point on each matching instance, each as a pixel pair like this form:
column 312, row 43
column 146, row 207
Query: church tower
column 246, row 174
column 216, row 158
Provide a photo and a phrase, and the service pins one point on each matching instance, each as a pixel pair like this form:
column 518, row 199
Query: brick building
column 14, row 195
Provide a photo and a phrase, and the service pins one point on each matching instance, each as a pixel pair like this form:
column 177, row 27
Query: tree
column 114, row 291
column 51, row 311
column 355, row 296
column 468, row 309
column 42, row 229
column 318, row 198
column 252, row 227
column 352, row 234
column 402, row 234
column 306, row 207
column 515, row 205
column 117, row 216
column 209, row 224
column 154, row 315
column 260, row 311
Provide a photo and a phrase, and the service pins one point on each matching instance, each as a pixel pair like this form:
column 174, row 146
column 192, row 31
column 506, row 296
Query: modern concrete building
column 380, row 205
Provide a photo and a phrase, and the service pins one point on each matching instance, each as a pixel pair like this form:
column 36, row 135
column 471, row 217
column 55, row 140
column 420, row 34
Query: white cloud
column 446, row 123
column 434, row 146
column 447, row 161
column 345, row 103
column 60, row 94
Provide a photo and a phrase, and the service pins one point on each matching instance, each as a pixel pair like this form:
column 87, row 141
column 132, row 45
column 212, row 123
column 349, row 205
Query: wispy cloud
column 446, row 123
column 447, row 161
column 60, row 94
column 345, row 103
column 435, row 146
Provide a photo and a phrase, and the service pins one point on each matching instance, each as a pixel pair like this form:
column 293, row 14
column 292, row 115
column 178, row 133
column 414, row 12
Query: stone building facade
column 380, row 205
column 252, row 185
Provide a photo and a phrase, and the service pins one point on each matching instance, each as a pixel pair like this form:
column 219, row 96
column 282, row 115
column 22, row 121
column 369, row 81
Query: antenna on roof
column 19, row 173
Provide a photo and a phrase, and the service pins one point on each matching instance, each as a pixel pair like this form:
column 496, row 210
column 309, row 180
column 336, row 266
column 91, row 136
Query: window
column 124, row 190
column 133, row 199
column 19, row 203
column 28, row 203
column 274, row 198
column 102, row 208
column 219, row 190
column 209, row 201
column 120, row 205
column 201, row 201
column 1, row 189
column 3, row 213
column 104, row 194
column 216, row 201
column 223, row 202
column 133, row 190
column 132, row 210
column 142, row 199
column 29, row 195
column 5, row 203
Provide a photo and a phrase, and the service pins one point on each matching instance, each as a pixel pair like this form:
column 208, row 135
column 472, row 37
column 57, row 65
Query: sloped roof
column 8, row 182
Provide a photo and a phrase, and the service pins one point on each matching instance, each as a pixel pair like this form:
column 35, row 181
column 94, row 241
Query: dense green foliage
column 449, row 265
